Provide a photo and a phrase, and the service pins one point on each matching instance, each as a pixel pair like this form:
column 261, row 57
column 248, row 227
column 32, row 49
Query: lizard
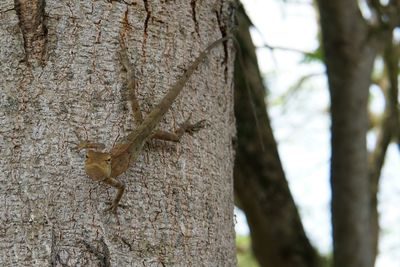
column 107, row 166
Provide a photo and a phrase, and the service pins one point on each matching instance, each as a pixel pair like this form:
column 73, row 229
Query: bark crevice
column 194, row 17
column 223, row 31
column 31, row 15
column 146, row 25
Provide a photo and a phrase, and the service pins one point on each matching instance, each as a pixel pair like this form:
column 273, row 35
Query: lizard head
column 98, row 165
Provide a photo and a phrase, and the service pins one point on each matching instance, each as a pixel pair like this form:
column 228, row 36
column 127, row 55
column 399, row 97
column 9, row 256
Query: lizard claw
column 113, row 207
column 192, row 128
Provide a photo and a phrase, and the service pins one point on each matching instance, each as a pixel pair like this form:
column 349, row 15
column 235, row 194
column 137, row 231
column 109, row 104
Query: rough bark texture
column 349, row 59
column 261, row 189
column 178, row 206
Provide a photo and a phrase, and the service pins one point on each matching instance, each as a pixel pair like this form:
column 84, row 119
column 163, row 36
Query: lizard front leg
column 120, row 191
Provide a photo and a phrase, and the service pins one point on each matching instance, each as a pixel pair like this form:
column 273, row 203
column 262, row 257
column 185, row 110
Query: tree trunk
column 349, row 57
column 62, row 80
column 261, row 188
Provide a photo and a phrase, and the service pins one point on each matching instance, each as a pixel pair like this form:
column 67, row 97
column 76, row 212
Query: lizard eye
column 108, row 160
column 87, row 156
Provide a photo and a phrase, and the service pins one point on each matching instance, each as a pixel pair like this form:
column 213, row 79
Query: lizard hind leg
column 175, row 136
column 131, row 83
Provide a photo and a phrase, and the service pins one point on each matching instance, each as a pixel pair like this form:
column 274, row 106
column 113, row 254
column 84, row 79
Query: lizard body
column 106, row 166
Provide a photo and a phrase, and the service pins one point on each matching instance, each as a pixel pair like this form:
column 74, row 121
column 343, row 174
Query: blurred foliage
column 314, row 56
column 245, row 257
column 326, row 260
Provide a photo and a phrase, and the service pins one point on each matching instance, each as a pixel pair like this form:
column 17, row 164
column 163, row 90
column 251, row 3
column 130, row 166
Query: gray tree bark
column 61, row 80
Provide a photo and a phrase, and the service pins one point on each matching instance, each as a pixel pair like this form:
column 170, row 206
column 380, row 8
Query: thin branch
column 293, row 89
column 387, row 15
column 389, row 128
column 295, row 50
column 390, row 123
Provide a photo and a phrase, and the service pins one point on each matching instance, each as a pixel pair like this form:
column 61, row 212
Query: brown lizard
column 106, row 166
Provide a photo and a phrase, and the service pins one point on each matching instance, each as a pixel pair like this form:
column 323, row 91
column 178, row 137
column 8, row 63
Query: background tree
column 349, row 58
column 356, row 39
column 61, row 79
column 351, row 45
column 262, row 192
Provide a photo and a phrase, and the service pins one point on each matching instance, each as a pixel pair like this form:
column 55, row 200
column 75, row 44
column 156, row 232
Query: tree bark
column 262, row 192
column 349, row 58
column 62, row 80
